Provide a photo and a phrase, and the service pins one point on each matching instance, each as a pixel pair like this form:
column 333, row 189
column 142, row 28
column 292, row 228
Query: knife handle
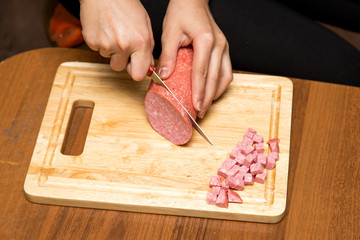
column 151, row 69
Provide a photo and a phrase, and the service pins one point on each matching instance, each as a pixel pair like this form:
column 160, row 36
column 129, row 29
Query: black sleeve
column 73, row 6
column 341, row 13
column 267, row 36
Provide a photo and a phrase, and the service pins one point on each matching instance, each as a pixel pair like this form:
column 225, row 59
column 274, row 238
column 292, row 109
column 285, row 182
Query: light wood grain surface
column 126, row 165
column 323, row 184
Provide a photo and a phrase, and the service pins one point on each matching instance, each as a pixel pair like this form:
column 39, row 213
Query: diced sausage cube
column 259, row 147
column 222, row 199
column 274, row 140
column 270, row 162
column 216, row 190
column 230, row 181
column 240, row 159
column 240, row 175
column 222, row 178
column 222, row 172
column 256, row 168
column 234, row 197
column 240, row 144
column 246, row 149
column 274, row 155
column 260, row 178
column 251, row 130
column 258, row 138
column 248, row 179
column 235, row 182
column 261, row 158
column 246, row 164
column 225, row 167
column 250, row 159
column 235, row 152
column 249, row 134
column 224, row 185
column 247, row 140
column 274, row 147
column 211, row 198
column 274, row 144
column 234, row 170
column 244, row 169
column 215, row 181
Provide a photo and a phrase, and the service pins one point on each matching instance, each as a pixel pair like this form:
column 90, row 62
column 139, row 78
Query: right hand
column 120, row 30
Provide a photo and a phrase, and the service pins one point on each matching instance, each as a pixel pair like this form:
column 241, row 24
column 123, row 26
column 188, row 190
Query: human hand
column 119, row 30
column 190, row 22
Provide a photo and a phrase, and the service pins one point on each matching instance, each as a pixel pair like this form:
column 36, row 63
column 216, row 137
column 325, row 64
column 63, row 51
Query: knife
column 158, row 80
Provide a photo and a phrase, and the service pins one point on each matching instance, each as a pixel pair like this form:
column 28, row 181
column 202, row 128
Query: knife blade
column 158, row 80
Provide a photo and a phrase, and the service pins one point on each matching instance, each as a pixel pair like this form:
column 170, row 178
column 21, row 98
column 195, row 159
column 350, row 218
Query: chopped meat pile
column 247, row 164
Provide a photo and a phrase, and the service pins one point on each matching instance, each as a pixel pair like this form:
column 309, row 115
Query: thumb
column 167, row 59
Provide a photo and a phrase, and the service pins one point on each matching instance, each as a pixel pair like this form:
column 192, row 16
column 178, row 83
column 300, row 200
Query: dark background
column 24, row 23
column 22, row 26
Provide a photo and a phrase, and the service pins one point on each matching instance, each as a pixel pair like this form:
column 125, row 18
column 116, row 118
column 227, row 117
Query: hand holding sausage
column 190, row 22
column 119, row 30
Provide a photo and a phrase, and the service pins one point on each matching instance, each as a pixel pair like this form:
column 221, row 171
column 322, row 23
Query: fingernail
column 201, row 113
column 198, row 106
column 163, row 72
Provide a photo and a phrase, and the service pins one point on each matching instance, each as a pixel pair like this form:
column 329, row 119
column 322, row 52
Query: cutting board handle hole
column 77, row 128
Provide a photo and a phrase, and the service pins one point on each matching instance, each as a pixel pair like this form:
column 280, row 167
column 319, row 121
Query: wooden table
column 323, row 188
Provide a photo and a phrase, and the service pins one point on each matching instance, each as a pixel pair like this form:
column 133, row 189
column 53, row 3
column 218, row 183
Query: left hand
column 190, row 22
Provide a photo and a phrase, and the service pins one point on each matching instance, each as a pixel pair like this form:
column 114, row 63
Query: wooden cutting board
column 127, row 166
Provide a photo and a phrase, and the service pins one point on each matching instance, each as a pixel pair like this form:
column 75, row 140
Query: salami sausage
column 164, row 113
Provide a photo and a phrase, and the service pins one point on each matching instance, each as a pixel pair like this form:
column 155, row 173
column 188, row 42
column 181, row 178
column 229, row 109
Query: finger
column 106, row 44
column 226, row 75
column 119, row 61
column 152, row 41
column 104, row 53
column 167, row 59
column 139, row 64
column 142, row 58
column 92, row 46
column 89, row 37
column 212, row 80
column 202, row 52
column 151, row 35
